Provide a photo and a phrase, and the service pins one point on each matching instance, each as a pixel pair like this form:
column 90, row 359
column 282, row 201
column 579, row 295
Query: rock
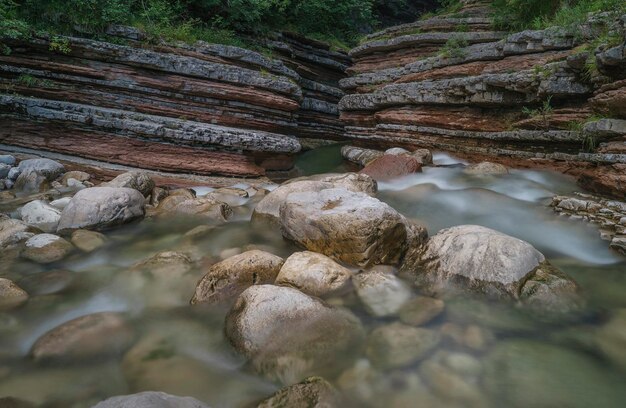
column 88, row 241
column 486, row 169
column 619, row 243
column 313, row 392
column 151, row 399
column 421, row 310
column 227, row 279
column 360, row 155
column 390, row 166
column 550, row 290
column 157, row 195
column 86, row 337
column 41, row 215
column 397, row 151
column 6, row 195
column 99, row 208
column 397, row 345
column 423, row 156
column 46, row 248
column 611, row 338
column 313, row 274
column 289, row 335
column 477, row 259
column 61, row 203
column 381, row 292
column 13, row 232
column 4, row 170
column 76, row 175
column 206, row 207
column 347, row 226
column 7, row 159
column 11, row 295
column 73, row 184
column 37, row 174
column 558, row 377
column 268, row 209
column 133, row 179
column 47, row 283
column 14, row 173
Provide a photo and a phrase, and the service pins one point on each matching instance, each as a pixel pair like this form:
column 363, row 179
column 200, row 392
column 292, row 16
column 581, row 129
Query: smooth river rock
column 46, row 248
column 382, row 293
column 314, row 274
column 313, row 392
column 390, row 166
column 41, row 215
column 37, row 174
column 100, row 208
column 11, row 295
column 227, row 279
column 288, row 335
column 133, row 179
column 150, row 399
column 206, row 207
column 486, row 169
column 85, row 337
column 347, row 226
column 397, row 345
column 14, row 232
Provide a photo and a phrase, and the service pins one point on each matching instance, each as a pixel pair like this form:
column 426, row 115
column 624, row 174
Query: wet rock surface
column 151, row 399
column 313, row 274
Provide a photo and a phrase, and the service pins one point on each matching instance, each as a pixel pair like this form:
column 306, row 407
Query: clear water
column 541, row 364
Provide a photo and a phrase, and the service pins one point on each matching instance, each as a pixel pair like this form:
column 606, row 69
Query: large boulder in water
column 288, row 335
column 37, row 174
column 133, row 179
column 471, row 258
column 392, row 166
column 268, row 209
column 99, row 208
column 151, row 399
column 347, row 226
column 225, row 280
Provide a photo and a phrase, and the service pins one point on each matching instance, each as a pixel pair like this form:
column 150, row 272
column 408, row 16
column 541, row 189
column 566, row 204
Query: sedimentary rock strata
column 522, row 96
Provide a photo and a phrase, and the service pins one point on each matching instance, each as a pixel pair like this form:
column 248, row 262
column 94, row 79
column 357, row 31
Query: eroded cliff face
column 203, row 109
column 452, row 83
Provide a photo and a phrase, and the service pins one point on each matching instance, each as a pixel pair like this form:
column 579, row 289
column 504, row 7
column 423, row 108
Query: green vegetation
column 539, row 14
column 454, row 47
column 544, row 112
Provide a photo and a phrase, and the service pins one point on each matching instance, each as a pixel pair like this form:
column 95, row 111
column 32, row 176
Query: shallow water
column 491, row 355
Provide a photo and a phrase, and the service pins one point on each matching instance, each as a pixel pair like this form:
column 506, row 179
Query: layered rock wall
column 453, row 83
column 204, row 109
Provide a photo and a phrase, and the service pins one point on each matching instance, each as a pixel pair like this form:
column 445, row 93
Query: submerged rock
column 611, row 338
column 288, row 335
column 137, row 180
column 227, row 279
column 313, row 392
column 46, row 248
column 88, row 241
column 99, row 208
column 421, row 310
column 314, row 274
column 11, row 295
column 268, row 209
column 88, row 336
column 381, row 292
column 151, row 399
column 347, row 226
column 41, row 215
column 398, row 345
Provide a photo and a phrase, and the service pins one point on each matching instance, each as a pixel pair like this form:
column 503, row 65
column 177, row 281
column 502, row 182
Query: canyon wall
column 452, row 83
column 203, row 109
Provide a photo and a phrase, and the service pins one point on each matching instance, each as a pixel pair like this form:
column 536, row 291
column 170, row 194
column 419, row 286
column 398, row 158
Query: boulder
column 288, row 335
column 347, row 226
column 137, row 180
column 486, row 169
column 14, row 232
column 392, row 166
column 88, row 241
column 61, row 203
column 76, row 175
column 314, row 274
column 88, row 336
column 225, row 280
column 477, row 259
column 381, row 292
column 41, row 215
column 48, row 282
column 359, row 155
column 397, row 151
column 206, row 207
column 14, row 173
column 421, row 310
column 46, row 248
column 4, row 170
column 557, row 376
column 99, row 208
column 268, row 209
column 312, row 392
column 150, row 399
column 11, row 295
column 397, row 345
column 7, row 159
column 423, row 156
column 37, row 174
